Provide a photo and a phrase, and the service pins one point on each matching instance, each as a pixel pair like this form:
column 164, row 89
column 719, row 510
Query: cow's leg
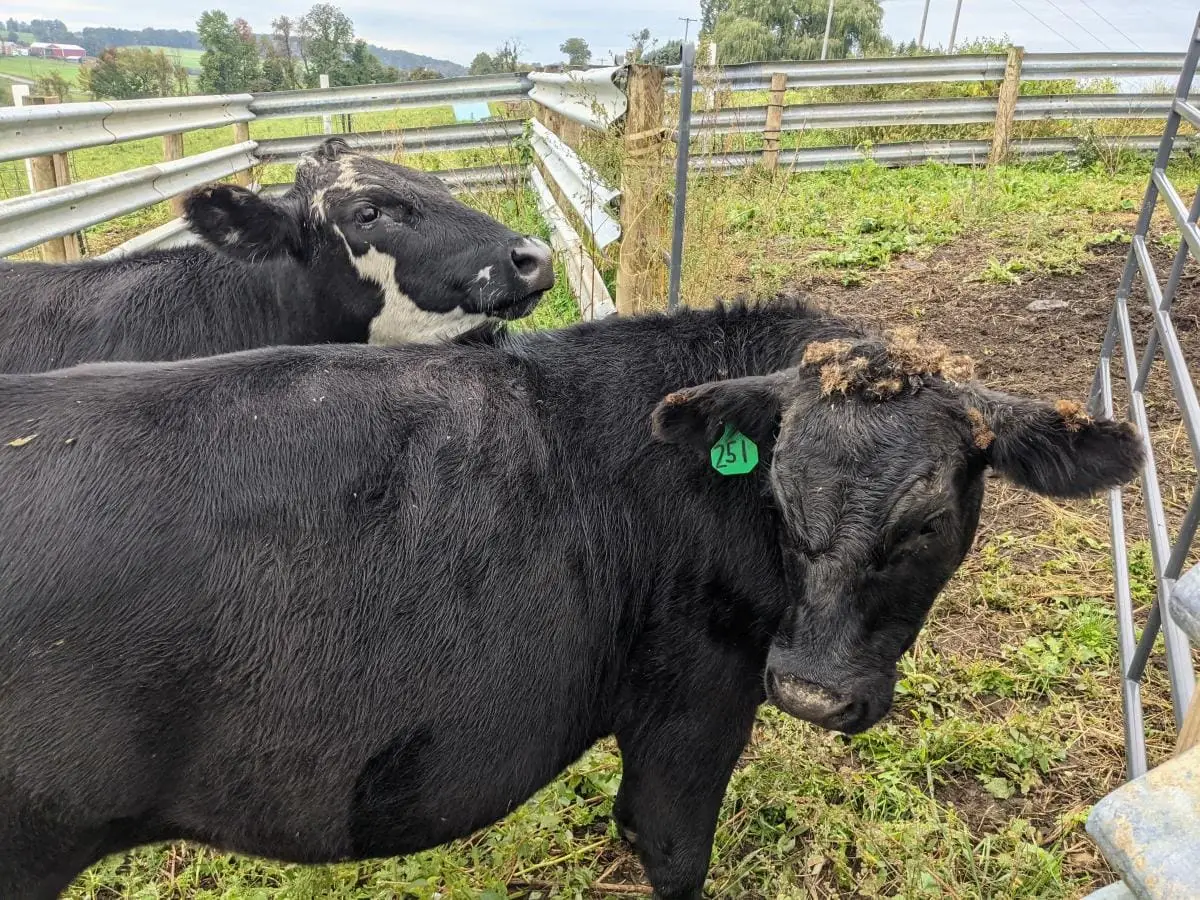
column 675, row 773
column 39, row 858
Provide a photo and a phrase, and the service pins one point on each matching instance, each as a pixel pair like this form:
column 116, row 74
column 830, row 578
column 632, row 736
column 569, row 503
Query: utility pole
column 954, row 27
column 924, row 19
column 687, row 24
column 828, row 26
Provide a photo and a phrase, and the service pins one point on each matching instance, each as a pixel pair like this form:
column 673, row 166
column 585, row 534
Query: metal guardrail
column 946, row 111
column 364, row 98
column 962, row 67
column 965, row 153
column 582, row 186
column 592, row 97
column 458, row 180
column 590, row 291
column 27, row 131
column 31, row 220
column 437, row 139
column 1168, row 557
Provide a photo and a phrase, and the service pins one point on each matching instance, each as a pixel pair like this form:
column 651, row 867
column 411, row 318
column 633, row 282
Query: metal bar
column 964, row 67
column 436, row 139
column 1189, row 112
column 679, row 211
column 31, row 220
column 813, row 159
column 1168, row 298
column 458, row 180
column 362, row 98
column 1175, row 204
column 27, row 131
column 172, row 234
column 580, row 184
column 1178, row 654
column 1131, row 691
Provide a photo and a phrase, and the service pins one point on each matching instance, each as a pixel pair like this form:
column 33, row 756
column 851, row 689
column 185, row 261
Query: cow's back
column 166, row 304
column 295, row 543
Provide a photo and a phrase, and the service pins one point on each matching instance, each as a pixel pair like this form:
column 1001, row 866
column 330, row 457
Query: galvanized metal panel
column 28, row 221
column 580, row 184
column 944, row 111
column 591, row 293
column 591, row 97
column 814, row 159
column 1149, row 830
column 499, row 133
column 960, row 67
column 1185, row 605
column 27, row 131
column 362, row 98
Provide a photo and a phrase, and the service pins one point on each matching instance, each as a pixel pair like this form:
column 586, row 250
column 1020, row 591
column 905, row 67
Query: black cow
column 333, row 603
column 357, row 250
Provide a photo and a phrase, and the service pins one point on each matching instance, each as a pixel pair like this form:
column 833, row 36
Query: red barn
column 73, row 52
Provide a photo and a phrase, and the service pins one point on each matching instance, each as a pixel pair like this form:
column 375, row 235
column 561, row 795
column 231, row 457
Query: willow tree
column 750, row 30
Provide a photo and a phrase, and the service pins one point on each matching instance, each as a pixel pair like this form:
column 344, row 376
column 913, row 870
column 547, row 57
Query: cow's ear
column 696, row 417
column 1052, row 449
column 239, row 222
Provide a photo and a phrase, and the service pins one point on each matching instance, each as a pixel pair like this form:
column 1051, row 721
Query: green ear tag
column 734, row 453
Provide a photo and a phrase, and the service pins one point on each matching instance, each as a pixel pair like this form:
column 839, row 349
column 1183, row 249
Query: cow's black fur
column 357, row 249
column 329, row 603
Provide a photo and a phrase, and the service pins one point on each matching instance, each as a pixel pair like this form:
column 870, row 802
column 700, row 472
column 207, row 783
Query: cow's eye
column 365, row 215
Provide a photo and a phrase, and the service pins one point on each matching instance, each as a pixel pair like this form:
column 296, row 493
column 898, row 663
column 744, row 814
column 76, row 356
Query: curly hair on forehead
column 880, row 369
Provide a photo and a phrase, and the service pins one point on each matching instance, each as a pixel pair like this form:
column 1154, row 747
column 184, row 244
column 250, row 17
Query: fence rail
column 947, row 111
column 436, row 139
column 964, row 67
column 365, row 98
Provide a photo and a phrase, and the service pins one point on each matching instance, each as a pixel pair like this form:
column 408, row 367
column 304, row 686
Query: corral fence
column 610, row 227
column 1149, row 828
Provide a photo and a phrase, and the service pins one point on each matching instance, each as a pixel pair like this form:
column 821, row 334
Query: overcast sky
column 457, row 29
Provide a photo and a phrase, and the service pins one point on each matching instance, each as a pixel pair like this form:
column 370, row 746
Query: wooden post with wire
column 241, row 134
column 770, row 156
column 173, row 149
column 641, row 273
column 44, row 173
column 1006, row 107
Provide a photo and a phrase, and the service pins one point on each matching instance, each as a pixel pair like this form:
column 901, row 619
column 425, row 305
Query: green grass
column 32, row 67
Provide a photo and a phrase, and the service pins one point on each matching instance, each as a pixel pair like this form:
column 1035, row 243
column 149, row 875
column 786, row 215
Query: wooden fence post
column 241, row 134
column 641, row 274
column 770, row 157
column 173, row 149
column 1006, row 107
column 43, row 176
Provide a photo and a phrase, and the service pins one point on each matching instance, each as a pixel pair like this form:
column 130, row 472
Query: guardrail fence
column 589, row 216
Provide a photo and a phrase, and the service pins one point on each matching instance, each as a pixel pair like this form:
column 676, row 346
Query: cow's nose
column 811, row 702
column 535, row 264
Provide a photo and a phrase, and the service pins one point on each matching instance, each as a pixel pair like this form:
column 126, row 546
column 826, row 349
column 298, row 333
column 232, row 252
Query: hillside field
column 1007, row 726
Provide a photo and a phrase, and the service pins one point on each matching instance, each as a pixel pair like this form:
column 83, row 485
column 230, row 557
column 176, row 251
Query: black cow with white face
column 357, row 250
column 329, row 603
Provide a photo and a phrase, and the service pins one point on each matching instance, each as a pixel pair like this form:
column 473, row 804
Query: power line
column 1104, row 19
column 1045, row 24
column 1078, row 24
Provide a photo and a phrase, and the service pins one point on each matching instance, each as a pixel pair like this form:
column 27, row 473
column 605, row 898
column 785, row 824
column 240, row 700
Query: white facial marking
column 231, row 237
column 484, row 276
column 401, row 320
column 347, row 179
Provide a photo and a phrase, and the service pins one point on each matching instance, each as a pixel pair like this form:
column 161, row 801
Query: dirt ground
column 1050, row 354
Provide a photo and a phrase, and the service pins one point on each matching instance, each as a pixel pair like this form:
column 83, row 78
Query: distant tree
column 507, row 57
column 52, row 85
column 364, row 67
column 669, row 54
column 576, row 50
column 749, row 30
column 423, row 74
column 483, row 64
column 230, row 63
column 13, row 37
column 51, row 31
column 709, row 11
column 326, row 40
column 130, row 73
column 641, row 42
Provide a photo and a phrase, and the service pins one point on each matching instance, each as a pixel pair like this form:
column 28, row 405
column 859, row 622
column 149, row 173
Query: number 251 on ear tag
column 734, row 453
